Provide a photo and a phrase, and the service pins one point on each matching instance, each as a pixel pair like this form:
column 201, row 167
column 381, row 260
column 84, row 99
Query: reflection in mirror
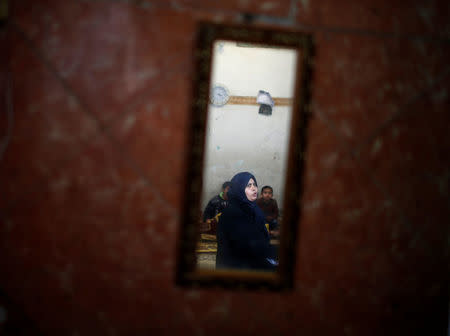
column 245, row 157
column 247, row 130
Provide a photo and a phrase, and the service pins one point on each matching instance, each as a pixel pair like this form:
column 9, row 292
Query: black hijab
column 237, row 194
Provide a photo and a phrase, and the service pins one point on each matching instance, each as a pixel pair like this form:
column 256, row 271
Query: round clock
column 219, row 95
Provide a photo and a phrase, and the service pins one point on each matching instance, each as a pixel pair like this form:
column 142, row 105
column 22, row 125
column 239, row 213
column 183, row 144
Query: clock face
column 219, row 95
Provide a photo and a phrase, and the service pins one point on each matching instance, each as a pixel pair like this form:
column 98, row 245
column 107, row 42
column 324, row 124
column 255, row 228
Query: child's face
column 225, row 191
column 267, row 194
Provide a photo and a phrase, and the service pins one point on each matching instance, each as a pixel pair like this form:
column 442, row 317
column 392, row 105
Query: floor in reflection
column 206, row 260
column 206, row 251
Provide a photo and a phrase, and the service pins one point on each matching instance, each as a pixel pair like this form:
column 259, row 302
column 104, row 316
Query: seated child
column 269, row 207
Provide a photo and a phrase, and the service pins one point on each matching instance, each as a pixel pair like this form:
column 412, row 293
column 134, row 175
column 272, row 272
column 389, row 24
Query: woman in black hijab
column 242, row 238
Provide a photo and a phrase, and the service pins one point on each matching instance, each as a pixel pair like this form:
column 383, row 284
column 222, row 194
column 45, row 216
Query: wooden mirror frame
column 187, row 273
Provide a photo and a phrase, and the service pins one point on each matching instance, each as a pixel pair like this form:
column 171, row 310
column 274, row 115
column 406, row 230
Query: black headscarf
column 237, row 194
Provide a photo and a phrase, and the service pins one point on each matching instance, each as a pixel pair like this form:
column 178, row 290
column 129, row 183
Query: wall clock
column 219, row 95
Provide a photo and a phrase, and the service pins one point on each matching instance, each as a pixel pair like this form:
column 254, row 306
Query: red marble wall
column 91, row 179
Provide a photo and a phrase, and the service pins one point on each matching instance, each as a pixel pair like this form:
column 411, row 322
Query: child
column 269, row 207
column 214, row 209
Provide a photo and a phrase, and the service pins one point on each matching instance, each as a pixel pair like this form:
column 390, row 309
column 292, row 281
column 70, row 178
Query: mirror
column 248, row 115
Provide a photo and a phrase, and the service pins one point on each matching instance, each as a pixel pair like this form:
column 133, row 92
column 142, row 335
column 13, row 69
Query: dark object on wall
column 265, row 109
column 266, row 102
column 187, row 273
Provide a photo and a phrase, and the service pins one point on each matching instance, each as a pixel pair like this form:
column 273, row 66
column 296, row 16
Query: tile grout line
column 102, row 128
column 142, row 95
column 56, row 74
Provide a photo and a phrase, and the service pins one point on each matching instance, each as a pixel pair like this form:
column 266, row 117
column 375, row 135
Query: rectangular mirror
column 244, row 173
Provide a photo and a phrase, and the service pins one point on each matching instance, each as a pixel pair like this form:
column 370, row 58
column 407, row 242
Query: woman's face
column 251, row 190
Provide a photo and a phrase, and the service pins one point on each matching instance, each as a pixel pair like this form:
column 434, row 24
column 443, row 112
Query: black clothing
column 242, row 241
column 214, row 207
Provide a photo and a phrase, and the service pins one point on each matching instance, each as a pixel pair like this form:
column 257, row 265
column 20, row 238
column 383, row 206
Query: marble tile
column 409, row 159
column 348, row 235
column 88, row 247
column 48, row 125
column 6, row 120
column 154, row 134
column 324, row 149
column 95, row 220
column 14, row 317
column 108, row 53
column 330, row 230
column 413, row 17
column 273, row 8
column 361, row 81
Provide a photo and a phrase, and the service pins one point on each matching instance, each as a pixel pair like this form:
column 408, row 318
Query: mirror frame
column 187, row 273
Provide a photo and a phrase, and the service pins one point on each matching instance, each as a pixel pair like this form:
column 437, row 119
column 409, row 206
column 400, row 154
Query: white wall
column 238, row 137
column 245, row 71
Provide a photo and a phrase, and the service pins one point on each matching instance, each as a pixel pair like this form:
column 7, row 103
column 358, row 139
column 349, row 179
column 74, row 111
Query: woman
column 242, row 238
